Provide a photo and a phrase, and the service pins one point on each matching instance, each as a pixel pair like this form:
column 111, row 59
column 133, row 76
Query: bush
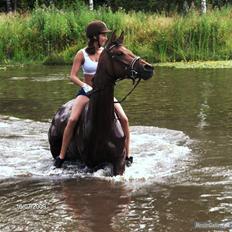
column 37, row 36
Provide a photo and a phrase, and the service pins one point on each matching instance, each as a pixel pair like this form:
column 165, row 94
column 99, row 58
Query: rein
column 125, row 97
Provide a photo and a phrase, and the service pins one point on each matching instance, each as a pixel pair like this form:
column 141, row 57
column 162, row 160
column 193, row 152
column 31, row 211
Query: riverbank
column 176, row 65
column 197, row 65
column 53, row 36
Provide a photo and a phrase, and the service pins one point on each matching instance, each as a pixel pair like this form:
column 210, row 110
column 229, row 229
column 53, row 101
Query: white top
column 89, row 67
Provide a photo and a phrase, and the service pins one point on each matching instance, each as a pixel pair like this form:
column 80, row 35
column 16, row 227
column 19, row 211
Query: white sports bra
column 89, row 67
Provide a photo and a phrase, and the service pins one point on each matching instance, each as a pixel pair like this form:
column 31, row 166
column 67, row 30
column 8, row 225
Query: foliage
column 167, row 6
column 54, row 35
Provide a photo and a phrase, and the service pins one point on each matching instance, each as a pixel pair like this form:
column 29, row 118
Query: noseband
column 132, row 71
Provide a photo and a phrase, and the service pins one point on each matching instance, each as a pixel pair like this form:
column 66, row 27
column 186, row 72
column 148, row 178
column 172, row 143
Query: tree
column 11, row 5
column 91, row 4
column 8, row 6
column 203, row 6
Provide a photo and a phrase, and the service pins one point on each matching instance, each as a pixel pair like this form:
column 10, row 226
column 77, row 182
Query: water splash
column 158, row 153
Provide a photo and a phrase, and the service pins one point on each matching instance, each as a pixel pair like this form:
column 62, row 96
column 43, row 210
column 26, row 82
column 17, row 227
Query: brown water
column 181, row 140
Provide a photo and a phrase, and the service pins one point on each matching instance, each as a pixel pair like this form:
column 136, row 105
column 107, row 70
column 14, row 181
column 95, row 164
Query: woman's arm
column 77, row 62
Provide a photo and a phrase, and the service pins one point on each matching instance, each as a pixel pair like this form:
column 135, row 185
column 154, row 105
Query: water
column 181, row 179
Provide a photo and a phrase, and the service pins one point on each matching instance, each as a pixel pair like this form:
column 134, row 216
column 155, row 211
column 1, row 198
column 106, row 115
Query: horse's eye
column 120, row 53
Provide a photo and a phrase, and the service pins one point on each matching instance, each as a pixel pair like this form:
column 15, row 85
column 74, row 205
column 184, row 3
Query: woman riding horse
column 99, row 137
column 87, row 58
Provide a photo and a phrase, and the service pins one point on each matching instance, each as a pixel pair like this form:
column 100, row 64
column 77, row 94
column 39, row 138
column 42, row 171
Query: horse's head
column 124, row 64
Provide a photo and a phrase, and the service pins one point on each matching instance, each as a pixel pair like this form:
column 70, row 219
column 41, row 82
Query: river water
column 181, row 140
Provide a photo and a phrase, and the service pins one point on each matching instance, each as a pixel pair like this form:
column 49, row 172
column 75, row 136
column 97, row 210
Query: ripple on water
column 53, row 77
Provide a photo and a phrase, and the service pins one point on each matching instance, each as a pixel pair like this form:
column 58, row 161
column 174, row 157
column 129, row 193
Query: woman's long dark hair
column 91, row 50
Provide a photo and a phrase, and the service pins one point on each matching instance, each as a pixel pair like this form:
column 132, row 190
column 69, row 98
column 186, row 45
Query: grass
column 52, row 36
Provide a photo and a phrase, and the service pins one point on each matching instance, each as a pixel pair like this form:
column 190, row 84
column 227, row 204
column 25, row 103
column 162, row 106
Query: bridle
column 131, row 72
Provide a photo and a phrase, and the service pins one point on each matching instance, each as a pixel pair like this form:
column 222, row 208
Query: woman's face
column 102, row 39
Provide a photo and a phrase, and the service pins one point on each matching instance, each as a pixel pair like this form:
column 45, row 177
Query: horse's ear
column 113, row 36
column 111, row 39
column 121, row 38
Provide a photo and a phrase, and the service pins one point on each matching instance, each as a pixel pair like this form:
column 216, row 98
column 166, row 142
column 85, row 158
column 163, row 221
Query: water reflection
column 90, row 205
column 22, row 89
column 71, row 205
column 204, row 106
column 95, row 203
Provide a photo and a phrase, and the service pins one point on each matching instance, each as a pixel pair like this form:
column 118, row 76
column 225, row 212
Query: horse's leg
column 108, row 169
column 77, row 108
column 119, row 163
column 125, row 125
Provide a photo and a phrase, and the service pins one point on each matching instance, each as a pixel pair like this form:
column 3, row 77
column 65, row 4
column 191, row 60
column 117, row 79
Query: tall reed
column 58, row 34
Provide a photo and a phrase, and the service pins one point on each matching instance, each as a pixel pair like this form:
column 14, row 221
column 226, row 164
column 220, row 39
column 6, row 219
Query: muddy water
column 181, row 179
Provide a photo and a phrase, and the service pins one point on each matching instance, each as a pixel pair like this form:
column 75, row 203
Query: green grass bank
column 49, row 35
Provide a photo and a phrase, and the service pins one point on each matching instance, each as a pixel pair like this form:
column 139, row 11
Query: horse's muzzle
column 146, row 71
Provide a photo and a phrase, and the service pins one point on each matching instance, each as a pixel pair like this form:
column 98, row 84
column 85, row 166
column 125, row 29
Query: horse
column 98, row 137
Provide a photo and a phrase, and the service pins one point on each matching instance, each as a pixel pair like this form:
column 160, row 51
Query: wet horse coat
column 98, row 137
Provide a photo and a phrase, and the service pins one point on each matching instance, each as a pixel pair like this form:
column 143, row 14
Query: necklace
column 96, row 56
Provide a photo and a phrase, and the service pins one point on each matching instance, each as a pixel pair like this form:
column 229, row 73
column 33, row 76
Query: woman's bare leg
column 125, row 125
column 77, row 108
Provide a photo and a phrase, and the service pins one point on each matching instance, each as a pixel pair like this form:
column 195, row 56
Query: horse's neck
column 102, row 103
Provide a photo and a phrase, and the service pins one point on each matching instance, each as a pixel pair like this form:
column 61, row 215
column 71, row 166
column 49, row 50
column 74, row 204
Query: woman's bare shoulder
column 80, row 52
column 79, row 57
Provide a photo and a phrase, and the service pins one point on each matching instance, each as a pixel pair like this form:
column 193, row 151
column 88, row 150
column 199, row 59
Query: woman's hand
column 87, row 88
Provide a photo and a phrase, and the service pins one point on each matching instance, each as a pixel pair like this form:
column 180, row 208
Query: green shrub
column 37, row 36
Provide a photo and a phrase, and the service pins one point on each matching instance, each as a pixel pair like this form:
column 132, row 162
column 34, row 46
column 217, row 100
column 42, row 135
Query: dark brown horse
column 98, row 137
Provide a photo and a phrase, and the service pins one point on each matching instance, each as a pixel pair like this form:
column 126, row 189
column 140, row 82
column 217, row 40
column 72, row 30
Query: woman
column 87, row 58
